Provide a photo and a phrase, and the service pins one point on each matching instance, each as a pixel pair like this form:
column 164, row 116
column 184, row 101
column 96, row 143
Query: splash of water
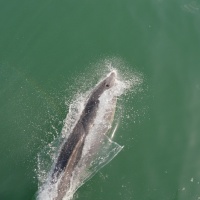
column 99, row 148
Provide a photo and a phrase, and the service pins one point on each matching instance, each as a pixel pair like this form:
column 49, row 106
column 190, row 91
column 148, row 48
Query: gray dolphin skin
column 71, row 150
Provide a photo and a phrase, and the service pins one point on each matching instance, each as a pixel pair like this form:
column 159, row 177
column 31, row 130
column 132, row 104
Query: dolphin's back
column 81, row 128
column 67, row 150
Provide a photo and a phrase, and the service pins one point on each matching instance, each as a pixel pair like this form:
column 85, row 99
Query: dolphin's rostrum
column 71, row 150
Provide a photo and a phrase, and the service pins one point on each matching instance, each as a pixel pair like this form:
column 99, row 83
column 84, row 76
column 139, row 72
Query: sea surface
column 52, row 50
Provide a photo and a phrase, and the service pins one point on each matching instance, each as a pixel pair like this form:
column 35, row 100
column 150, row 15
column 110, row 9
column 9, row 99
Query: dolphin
column 71, row 150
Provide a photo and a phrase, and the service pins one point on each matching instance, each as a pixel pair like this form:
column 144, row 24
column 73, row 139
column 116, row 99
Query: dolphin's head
column 110, row 80
column 106, row 84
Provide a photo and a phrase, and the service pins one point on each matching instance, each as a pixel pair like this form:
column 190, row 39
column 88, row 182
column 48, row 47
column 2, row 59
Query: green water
column 45, row 44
